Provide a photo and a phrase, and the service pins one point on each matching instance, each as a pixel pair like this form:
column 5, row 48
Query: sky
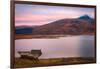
column 32, row 15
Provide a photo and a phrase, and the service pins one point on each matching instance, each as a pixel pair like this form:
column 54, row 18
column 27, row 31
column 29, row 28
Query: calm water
column 70, row 46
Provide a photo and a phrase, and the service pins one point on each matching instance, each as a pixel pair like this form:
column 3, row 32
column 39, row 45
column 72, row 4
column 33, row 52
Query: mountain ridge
column 81, row 25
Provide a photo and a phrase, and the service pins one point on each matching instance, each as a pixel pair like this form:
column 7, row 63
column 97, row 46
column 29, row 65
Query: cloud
column 40, row 14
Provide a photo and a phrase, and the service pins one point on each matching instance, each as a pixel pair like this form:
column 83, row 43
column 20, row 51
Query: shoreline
column 30, row 36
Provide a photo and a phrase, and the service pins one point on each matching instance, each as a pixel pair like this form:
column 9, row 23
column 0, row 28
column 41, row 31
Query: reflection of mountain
column 81, row 25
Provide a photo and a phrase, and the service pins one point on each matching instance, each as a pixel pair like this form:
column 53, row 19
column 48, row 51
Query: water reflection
column 87, row 46
column 70, row 46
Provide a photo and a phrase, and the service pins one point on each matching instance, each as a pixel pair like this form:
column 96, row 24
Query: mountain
column 76, row 26
column 86, row 17
column 24, row 30
column 82, row 25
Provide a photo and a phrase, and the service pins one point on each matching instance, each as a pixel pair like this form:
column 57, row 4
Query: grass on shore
column 49, row 62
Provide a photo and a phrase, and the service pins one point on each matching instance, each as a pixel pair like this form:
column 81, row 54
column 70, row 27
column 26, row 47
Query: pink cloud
column 33, row 17
column 40, row 19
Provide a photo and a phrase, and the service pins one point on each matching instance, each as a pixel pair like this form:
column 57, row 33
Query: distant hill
column 24, row 30
column 81, row 25
column 87, row 18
